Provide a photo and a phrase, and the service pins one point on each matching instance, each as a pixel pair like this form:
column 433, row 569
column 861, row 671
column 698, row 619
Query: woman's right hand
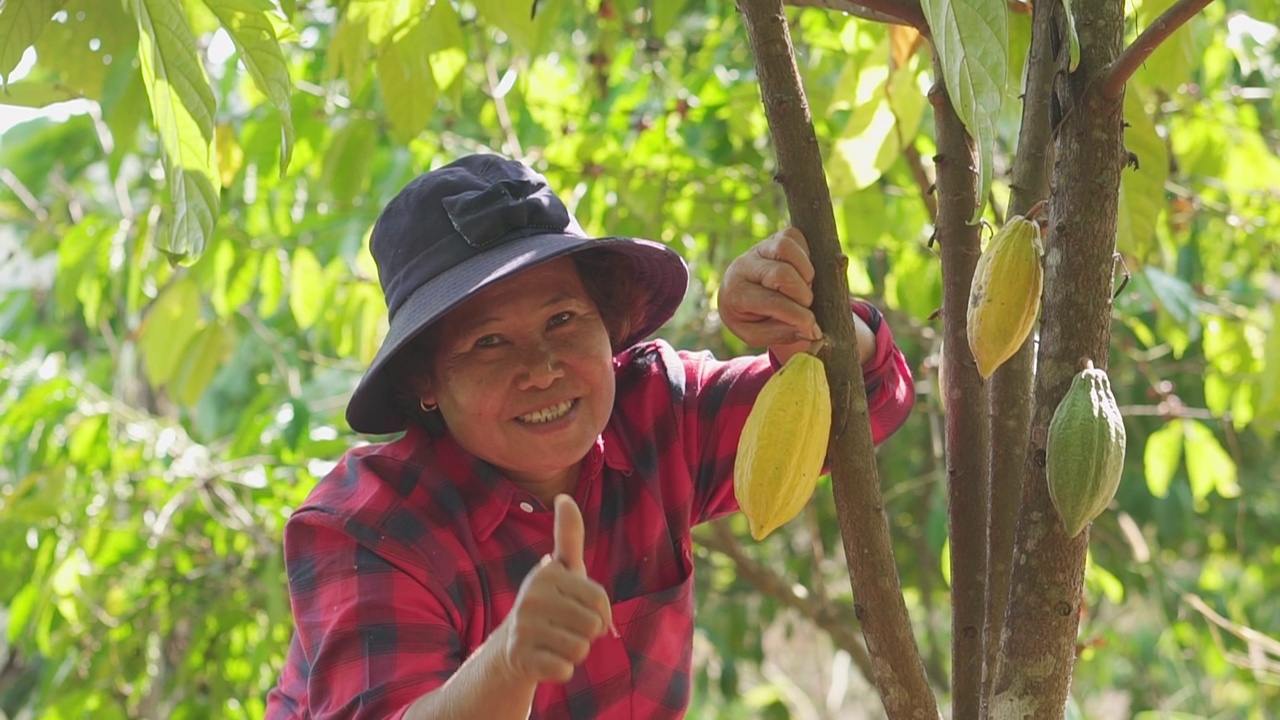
column 559, row 611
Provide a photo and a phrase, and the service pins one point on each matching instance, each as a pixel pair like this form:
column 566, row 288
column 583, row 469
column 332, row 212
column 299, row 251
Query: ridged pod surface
column 1005, row 294
column 783, row 445
column 1084, row 454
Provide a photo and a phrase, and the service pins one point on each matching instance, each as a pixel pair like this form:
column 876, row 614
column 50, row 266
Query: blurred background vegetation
column 180, row 326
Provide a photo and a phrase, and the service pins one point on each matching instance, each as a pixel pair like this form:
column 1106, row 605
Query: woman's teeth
column 555, row 412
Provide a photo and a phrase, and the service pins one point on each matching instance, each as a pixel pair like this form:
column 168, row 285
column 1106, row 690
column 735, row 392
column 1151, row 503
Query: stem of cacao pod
column 895, row 657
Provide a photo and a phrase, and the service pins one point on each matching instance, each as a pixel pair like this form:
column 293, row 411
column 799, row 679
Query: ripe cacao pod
column 1005, row 294
column 783, row 445
column 1085, row 450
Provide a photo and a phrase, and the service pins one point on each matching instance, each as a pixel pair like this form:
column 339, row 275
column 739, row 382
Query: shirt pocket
column 657, row 635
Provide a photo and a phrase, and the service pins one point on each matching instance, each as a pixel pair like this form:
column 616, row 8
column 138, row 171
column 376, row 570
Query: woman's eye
column 560, row 319
column 488, row 341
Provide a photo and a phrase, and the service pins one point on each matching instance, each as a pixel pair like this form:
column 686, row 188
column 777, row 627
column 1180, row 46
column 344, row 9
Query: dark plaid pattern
column 408, row 554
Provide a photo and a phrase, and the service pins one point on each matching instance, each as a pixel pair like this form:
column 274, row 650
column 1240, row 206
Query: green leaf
column 513, row 18
column 306, row 288
column 346, row 165
column 1161, row 457
column 1208, row 465
column 407, row 85
column 1269, row 392
column 182, row 107
column 664, row 15
column 168, row 327
column 254, row 35
column 971, row 40
column 1141, row 188
column 36, row 94
column 202, row 357
column 21, row 22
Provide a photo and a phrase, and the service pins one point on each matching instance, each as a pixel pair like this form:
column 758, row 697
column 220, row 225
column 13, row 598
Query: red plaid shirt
column 408, row 554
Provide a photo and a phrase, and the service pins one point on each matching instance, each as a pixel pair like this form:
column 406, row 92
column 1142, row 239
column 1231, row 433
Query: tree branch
column 1038, row 643
column 966, row 402
column 1157, row 32
column 833, row 618
column 862, row 10
column 895, row 656
column 1010, row 387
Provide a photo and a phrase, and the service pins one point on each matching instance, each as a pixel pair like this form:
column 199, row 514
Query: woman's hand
column 559, row 611
column 767, row 293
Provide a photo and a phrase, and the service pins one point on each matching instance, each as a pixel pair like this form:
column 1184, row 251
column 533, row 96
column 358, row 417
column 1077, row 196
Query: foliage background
column 159, row 420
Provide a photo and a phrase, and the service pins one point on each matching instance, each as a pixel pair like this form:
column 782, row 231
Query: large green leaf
column 201, row 358
column 21, row 22
column 182, row 107
column 405, row 80
column 27, row 93
column 1209, row 467
column 253, row 32
column 1161, row 457
column 170, row 323
column 1142, row 184
column 971, row 39
column 1269, row 395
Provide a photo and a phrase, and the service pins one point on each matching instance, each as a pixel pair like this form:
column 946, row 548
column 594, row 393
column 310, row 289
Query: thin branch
column 831, row 617
column 920, row 174
column 895, row 657
column 1157, row 32
column 1256, row 639
column 858, row 10
column 29, row 201
column 967, row 436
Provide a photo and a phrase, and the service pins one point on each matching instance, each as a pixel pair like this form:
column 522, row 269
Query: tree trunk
column 878, row 602
column 1039, row 638
column 1011, row 385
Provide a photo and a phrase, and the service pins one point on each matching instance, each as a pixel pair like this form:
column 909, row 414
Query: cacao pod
column 1005, row 294
column 783, row 445
column 1084, row 454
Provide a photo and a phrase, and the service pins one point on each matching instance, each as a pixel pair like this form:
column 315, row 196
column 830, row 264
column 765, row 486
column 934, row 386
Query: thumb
column 569, row 534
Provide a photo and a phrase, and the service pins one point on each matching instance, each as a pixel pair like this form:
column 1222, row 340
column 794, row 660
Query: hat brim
column 658, row 270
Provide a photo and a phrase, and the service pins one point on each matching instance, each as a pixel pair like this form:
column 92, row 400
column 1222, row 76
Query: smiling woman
column 523, row 550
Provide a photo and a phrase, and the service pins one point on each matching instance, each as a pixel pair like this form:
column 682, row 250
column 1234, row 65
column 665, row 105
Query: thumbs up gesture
column 558, row 611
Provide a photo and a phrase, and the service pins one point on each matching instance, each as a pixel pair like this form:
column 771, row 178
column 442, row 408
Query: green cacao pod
column 783, row 445
column 1005, row 294
column 1085, row 450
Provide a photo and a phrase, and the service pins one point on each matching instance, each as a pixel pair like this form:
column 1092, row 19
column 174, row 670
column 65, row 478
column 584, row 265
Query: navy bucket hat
column 454, row 231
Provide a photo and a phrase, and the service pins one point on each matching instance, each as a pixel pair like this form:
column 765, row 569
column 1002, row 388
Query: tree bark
column 878, row 603
column 1010, row 387
column 966, row 402
column 1039, row 636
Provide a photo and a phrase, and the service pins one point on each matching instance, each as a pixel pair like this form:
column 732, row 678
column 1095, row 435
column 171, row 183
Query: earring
column 427, row 408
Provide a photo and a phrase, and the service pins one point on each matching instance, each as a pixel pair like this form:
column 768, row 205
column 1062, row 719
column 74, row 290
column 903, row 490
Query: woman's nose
column 541, row 368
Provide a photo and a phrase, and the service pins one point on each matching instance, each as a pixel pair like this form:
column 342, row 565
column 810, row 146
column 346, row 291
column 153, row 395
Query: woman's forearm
column 482, row 688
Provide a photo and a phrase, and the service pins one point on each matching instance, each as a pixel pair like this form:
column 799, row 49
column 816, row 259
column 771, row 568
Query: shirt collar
column 486, row 493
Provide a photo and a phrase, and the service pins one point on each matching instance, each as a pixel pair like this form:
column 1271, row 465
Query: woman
column 524, row 549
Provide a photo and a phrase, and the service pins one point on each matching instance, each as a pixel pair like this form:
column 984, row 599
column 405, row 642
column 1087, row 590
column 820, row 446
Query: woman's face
column 523, row 375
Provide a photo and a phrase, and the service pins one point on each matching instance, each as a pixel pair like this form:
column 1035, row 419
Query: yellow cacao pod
column 783, row 445
column 1084, row 454
column 1005, row 294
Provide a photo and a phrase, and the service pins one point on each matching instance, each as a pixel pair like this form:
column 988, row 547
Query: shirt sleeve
column 719, row 394
column 374, row 638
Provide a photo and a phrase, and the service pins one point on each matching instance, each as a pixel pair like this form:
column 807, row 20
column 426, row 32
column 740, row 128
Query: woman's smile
column 548, row 416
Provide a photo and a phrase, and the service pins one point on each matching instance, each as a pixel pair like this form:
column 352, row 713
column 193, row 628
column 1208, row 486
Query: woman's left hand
column 767, row 293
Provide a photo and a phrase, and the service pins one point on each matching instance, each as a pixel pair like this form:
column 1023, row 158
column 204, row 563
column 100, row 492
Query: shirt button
column 526, row 506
